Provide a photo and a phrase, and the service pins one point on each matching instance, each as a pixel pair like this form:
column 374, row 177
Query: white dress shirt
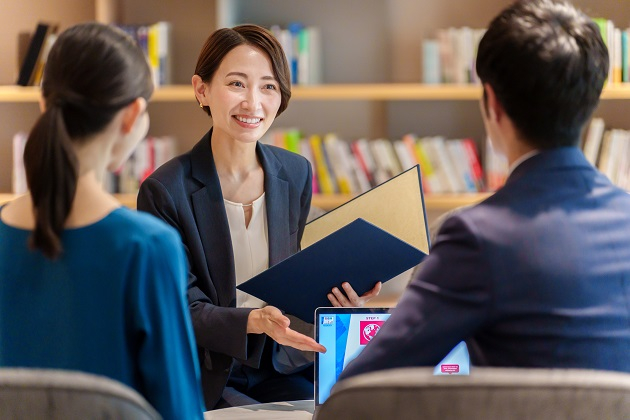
column 250, row 245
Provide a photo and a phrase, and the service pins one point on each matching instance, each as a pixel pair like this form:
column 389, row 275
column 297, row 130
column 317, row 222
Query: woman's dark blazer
column 185, row 192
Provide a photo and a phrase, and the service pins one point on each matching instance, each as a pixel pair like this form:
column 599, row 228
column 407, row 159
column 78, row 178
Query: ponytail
column 92, row 72
column 51, row 174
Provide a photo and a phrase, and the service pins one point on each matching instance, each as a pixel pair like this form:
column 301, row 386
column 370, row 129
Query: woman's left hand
column 350, row 298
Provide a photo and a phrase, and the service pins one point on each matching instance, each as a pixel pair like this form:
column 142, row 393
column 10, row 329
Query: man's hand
column 350, row 298
column 269, row 320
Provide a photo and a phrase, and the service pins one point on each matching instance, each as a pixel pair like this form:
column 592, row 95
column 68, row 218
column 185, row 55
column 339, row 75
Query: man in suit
column 537, row 275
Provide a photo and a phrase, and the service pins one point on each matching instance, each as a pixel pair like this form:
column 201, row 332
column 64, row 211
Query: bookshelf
column 339, row 92
column 435, row 202
column 372, row 64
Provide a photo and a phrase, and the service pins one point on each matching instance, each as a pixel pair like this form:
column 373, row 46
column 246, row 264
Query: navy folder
column 359, row 253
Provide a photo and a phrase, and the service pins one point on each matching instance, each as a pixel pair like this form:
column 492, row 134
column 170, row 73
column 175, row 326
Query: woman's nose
column 251, row 100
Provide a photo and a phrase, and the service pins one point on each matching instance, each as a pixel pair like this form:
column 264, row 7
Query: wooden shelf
column 387, row 91
column 370, row 92
column 440, row 202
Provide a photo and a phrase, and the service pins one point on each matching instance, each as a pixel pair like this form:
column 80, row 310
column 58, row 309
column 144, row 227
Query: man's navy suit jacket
column 185, row 192
column 537, row 275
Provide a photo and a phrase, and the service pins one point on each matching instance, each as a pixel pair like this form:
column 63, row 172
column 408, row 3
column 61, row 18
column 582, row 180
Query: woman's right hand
column 269, row 320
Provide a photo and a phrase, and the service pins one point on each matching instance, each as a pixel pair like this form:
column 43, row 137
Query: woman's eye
column 270, row 86
column 237, row 83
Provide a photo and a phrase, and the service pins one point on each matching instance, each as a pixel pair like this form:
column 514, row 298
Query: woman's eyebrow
column 243, row 75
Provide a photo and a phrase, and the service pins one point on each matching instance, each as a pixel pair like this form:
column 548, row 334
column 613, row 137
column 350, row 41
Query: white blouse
column 250, row 246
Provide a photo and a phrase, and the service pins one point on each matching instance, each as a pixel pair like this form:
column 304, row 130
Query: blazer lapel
column 277, row 206
column 212, row 223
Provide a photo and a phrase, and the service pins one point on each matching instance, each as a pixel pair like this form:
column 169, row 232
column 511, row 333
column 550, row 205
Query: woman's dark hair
column 92, row 72
column 224, row 40
column 547, row 63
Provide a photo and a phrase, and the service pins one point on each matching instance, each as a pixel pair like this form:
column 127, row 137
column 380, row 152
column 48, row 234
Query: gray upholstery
column 488, row 393
column 36, row 394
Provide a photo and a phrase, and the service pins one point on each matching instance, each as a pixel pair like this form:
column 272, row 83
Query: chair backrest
column 488, row 393
column 59, row 394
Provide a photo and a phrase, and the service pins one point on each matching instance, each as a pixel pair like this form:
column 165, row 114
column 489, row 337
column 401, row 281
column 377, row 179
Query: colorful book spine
column 321, row 166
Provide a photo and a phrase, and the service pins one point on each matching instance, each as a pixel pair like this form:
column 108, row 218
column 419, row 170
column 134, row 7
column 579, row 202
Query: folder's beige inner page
column 394, row 206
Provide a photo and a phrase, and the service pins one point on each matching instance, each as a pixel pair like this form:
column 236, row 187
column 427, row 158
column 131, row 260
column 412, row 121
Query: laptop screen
column 345, row 332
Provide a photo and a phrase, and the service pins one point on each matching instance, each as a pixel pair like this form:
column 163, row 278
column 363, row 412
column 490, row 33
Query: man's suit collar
column 560, row 157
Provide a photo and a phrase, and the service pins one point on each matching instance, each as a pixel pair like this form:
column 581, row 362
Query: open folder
column 373, row 237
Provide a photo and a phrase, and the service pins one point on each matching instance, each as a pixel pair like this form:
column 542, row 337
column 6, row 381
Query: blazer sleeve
column 217, row 329
column 448, row 300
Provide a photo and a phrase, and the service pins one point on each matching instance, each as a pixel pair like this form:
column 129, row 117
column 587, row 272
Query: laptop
column 345, row 332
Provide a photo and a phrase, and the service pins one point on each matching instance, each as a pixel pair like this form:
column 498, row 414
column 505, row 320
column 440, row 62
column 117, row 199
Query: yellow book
column 153, row 51
column 323, row 174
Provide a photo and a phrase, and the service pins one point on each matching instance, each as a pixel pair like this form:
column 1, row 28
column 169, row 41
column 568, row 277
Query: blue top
column 113, row 304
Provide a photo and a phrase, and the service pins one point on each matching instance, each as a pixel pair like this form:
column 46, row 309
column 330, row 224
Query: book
column 324, row 177
column 359, row 253
column 474, row 163
column 34, row 53
column 364, row 159
column 396, row 206
column 340, row 167
column 371, row 238
column 38, row 73
column 431, row 62
column 461, row 164
column 593, row 140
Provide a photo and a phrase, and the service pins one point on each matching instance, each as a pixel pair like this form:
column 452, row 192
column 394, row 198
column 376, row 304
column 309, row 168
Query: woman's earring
column 200, row 105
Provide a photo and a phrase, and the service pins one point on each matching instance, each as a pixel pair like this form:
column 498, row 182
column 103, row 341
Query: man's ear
column 200, row 90
column 131, row 114
column 493, row 106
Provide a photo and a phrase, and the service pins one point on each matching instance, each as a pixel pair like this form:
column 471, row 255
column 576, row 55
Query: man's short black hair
column 547, row 63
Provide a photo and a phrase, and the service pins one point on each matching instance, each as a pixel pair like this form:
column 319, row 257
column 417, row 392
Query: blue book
column 431, row 70
column 295, row 28
column 359, row 253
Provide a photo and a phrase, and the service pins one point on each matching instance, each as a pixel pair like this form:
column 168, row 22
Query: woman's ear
column 131, row 114
column 200, row 90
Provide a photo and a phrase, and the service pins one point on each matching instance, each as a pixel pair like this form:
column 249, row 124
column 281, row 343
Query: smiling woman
column 241, row 207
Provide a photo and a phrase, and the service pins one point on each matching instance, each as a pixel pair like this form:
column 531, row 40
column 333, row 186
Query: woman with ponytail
column 84, row 283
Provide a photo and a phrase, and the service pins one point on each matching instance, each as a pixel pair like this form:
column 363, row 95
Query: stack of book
column 450, row 56
column 353, row 167
column 608, row 151
column 302, row 47
column 150, row 154
column 155, row 41
column 616, row 40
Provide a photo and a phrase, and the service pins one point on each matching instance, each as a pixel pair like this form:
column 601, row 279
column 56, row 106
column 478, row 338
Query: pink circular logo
column 369, row 331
